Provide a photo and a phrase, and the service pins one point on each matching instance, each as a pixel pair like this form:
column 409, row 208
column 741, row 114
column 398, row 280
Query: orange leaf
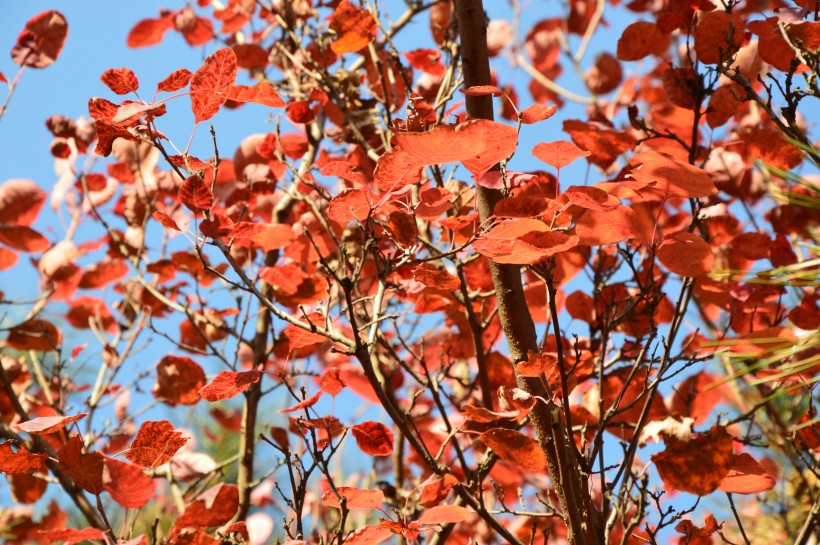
column 746, row 476
column 536, row 113
column 195, row 194
column 42, row 39
column 128, row 484
column 228, row 384
column 638, row 40
column 300, row 337
column 373, row 438
column 591, row 198
column 607, row 227
column 331, row 382
column 349, row 205
column 20, row 201
column 21, row 461
column 22, row 238
column 261, row 93
column 396, row 169
column 499, row 142
column 686, row 254
column 515, row 447
column 70, row 536
column 444, row 514
column 309, row 402
column 371, row 534
column 431, row 276
column 84, row 469
column 669, row 177
column 356, row 498
column 211, row 84
column 697, row 466
column 354, row 27
column 155, row 444
column 176, row 80
column 214, row 507
column 120, row 80
column 482, row 90
column 178, row 380
column 34, row 335
column 558, row 154
column 713, row 33
column 149, row 31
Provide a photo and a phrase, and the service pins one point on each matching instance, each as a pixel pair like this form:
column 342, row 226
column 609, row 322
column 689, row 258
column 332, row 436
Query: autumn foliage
column 591, row 320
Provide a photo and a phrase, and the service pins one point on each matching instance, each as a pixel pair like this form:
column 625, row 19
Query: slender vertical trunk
column 553, row 435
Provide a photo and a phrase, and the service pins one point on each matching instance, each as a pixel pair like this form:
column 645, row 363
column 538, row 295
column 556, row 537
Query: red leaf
column 669, row 177
column 638, row 41
column 178, row 380
column 7, row 259
column 608, row 227
column 195, row 194
column 69, row 536
column 273, row 237
column 444, row 514
column 426, row 60
column 697, row 466
column 482, row 90
column 331, row 381
column 436, row 491
column 349, row 205
column 128, row 484
column 261, row 93
column 217, row 226
column 498, row 143
column 517, row 448
column 155, row 444
column 712, row 36
column 300, row 337
column 34, row 335
column 396, row 169
column 120, row 80
column 591, row 198
column 42, row 39
column 536, row 113
column 686, row 254
column 178, row 79
column 356, row 498
column 214, row 507
column 21, row 461
column 212, row 83
column 22, row 238
column 248, row 229
column 431, row 276
column 228, row 384
column 20, row 201
column 369, row 535
column 373, row 438
column 354, row 27
column 84, row 469
column 309, row 402
column 558, row 154
column 149, row 32
column 746, row 476
column 166, row 220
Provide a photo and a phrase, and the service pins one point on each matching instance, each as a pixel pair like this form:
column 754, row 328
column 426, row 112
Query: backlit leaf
column 261, row 93
column 516, row 448
column 697, row 466
column 373, row 438
column 214, row 507
column 686, row 254
column 356, row 498
column 349, row 205
column 212, row 83
column 120, row 80
column 178, row 380
column 558, row 154
column 228, row 384
column 127, row 484
column 444, row 514
column 155, row 444
column 354, row 28
column 85, row 469
column 195, row 194
column 746, row 476
column 176, row 80
column 34, row 335
column 21, row 461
